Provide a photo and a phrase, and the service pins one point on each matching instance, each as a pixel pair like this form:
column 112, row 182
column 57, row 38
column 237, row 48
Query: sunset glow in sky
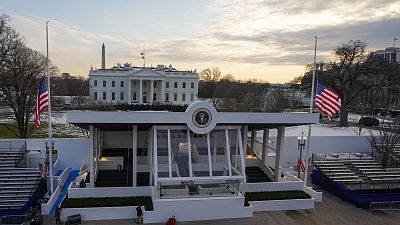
column 270, row 40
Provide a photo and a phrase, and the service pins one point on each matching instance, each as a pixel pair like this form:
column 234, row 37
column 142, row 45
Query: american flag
column 42, row 99
column 43, row 170
column 301, row 165
column 327, row 100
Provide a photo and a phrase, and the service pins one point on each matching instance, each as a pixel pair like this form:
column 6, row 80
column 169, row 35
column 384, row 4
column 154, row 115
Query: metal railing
column 389, row 205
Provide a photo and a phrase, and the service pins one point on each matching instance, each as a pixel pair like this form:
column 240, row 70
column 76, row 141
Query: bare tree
column 20, row 70
column 385, row 141
column 353, row 72
column 209, row 79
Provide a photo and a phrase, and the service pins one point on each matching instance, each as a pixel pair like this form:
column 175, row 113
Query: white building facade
column 143, row 85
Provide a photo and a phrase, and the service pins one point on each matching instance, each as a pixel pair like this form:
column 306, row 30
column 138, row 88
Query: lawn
column 59, row 131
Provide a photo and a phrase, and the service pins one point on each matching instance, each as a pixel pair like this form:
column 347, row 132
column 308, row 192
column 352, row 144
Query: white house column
column 140, row 92
column 134, row 155
column 264, row 152
column 279, row 151
column 151, row 91
column 129, row 92
column 162, row 91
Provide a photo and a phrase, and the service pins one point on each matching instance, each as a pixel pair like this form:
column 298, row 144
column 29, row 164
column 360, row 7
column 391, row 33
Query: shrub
column 275, row 195
column 368, row 121
column 108, row 202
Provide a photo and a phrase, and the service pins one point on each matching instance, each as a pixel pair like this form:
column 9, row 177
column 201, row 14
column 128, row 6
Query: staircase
column 16, row 184
column 256, row 175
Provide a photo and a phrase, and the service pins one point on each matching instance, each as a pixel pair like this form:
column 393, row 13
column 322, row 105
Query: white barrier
column 63, row 177
column 197, row 209
column 108, row 192
column 317, row 196
column 100, row 213
column 56, row 164
column 278, row 205
column 274, row 186
column 46, row 207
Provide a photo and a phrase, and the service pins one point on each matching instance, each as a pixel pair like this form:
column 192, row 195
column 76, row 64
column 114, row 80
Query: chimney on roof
column 103, row 56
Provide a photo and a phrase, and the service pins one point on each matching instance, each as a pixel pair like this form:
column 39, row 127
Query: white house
column 143, row 85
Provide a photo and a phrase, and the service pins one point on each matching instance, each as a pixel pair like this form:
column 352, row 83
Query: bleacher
column 16, row 184
column 357, row 171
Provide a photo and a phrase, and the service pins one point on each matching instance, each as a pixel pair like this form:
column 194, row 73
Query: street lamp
column 300, row 146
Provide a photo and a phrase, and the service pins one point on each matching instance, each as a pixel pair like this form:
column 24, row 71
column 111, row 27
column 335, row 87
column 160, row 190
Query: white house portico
column 129, row 84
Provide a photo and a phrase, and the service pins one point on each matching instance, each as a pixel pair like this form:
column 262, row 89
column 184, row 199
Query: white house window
column 192, row 85
column 95, row 95
column 113, row 83
column 104, row 96
column 184, row 85
column 154, row 96
column 183, row 97
column 122, row 96
column 191, row 97
column 175, row 84
column 104, row 83
column 134, row 96
column 175, row 97
column 95, row 83
column 112, row 95
column 166, row 97
column 167, row 85
column 122, row 83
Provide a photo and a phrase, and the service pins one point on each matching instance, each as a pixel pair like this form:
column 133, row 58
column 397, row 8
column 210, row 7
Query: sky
column 271, row 40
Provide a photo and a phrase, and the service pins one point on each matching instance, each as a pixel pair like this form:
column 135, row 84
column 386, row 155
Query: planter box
column 278, row 205
column 101, row 213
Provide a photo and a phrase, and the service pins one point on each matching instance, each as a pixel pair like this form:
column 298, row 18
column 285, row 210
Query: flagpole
column 311, row 110
column 50, row 142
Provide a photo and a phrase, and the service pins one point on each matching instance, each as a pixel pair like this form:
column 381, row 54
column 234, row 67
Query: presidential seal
column 202, row 117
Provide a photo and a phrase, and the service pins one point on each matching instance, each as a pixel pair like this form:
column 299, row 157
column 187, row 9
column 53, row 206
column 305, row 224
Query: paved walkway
column 332, row 211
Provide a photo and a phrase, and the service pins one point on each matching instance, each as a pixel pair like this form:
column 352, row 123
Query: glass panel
column 180, row 153
column 199, row 155
column 234, row 152
column 162, row 153
column 220, row 188
column 218, row 156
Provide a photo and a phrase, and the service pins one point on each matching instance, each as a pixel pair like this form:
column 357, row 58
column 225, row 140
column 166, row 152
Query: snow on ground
column 321, row 130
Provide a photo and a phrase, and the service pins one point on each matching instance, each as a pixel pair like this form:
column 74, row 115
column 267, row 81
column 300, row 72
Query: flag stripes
column 42, row 99
column 327, row 100
column 301, row 165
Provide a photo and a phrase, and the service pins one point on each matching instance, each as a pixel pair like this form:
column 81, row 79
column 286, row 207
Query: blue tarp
column 360, row 198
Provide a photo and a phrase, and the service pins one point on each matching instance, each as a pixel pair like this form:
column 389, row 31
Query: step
column 12, row 201
column 13, row 171
column 18, row 188
column 8, row 206
column 18, row 183
column 22, row 179
column 16, row 192
column 11, row 197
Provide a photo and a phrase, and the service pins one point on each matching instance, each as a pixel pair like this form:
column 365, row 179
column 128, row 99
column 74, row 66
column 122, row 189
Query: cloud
column 244, row 37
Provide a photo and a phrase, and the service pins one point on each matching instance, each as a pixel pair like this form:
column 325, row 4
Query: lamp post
column 300, row 146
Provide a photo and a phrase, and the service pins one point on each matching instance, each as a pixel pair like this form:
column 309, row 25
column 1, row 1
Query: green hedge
column 275, row 195
column 135, row 107
column 108, row 202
